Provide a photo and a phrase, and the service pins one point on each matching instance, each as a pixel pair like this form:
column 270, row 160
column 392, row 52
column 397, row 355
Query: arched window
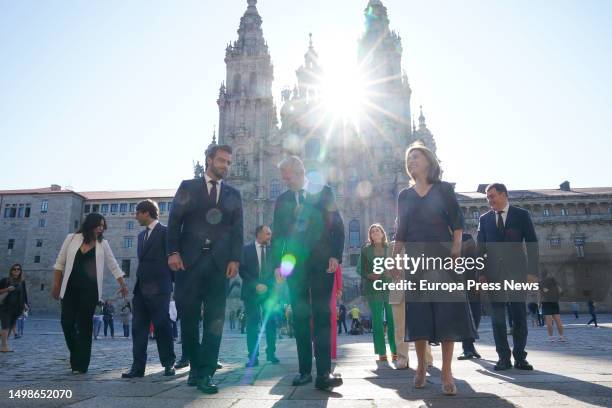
column 354, row 234
column 275, row 189
column 241, row 165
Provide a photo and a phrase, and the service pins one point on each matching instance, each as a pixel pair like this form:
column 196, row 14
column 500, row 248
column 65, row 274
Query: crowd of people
column 184, row 270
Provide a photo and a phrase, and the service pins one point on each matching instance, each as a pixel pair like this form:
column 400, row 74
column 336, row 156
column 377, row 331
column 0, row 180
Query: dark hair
column 499, row 187
column 20, row 273
column 212, row 150
column 259, row 229
column 148, row 206
column 91, row 222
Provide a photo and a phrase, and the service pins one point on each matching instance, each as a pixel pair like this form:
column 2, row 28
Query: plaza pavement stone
column 573, row 374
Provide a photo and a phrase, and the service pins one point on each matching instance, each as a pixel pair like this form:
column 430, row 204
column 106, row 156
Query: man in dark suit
column 204, row 249
column 258, row 295
column 307, row 245
column 507, row 237
column 151, row 293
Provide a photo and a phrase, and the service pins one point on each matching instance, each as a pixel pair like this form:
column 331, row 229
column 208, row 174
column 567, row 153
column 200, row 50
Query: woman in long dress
column 430, row 225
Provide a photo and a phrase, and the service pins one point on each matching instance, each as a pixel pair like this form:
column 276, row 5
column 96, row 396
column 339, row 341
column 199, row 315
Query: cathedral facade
column 362, row 162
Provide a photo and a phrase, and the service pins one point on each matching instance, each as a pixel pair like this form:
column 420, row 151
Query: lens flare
column 288, row 262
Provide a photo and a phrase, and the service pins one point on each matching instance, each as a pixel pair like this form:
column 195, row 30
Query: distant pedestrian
column 342, row 318
column 14, row 302
column 550, row 292
column 108, row 312
column 592, row 312
column 126, row 317
column 232, row 319
column 20, row 323
column 97, row 320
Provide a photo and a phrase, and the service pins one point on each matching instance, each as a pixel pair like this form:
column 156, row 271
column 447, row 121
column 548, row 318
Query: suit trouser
column 256, row 311
column 381, row 309
column 78, row 307
column 147, row 309
column 310, row 291
column 519, row 329
column 468, row 345
column 399, row 316
column 202, row 284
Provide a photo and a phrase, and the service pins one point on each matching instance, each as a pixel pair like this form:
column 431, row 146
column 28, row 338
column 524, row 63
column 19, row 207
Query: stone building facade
column 362, row 162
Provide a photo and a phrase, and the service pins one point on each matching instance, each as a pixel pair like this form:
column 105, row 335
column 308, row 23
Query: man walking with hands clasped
column 307, row 245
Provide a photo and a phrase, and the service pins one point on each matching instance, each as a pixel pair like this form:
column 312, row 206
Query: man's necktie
column 301, row 197
column 147, row 234
column 213, row 192
column 262, row 266
column 500, row 222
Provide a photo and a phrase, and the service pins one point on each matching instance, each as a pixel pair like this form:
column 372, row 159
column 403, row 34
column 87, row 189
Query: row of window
column 555, row 242
column 11, row 243
column 121, row 207
column 23, row 210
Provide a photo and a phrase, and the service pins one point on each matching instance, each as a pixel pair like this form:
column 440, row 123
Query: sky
column 116, row 95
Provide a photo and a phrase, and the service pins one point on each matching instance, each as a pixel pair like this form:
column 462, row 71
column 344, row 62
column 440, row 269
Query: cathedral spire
column 421, row 118
column 377, row 20
column 250, row 35
column 311, row 58
column 308, row 75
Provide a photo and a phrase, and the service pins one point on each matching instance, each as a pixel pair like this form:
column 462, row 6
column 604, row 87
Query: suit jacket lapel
column 152, row 236
column 221, row 192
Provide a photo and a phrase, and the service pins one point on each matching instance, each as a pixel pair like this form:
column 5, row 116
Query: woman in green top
column 378, row 300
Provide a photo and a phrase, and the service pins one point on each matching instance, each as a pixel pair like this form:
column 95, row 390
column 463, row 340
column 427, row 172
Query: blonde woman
column 378, row 300
column 79, row 272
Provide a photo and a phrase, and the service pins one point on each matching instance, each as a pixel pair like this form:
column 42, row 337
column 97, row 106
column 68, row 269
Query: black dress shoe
column 523, row 365
column 301, row 379
column 181, row 364
column 503, row 365
column 468, row 355
column 328, row 381
column 133, row 374
column 476, row 354
column 273, row 359
column 169, row 371
column 192, row 379
column 253, row 363
column 207, row 386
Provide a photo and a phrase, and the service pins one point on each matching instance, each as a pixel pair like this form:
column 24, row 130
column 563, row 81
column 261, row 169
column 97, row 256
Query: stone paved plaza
column 573, row 374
